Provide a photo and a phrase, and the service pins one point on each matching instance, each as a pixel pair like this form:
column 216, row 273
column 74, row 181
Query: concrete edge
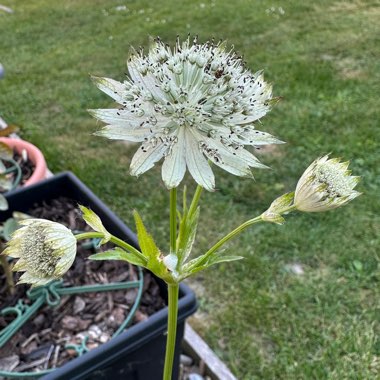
column 196, row 347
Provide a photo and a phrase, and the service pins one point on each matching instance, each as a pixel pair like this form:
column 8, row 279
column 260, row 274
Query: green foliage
column 150, row 250
column 207, row 260
column 119, row 254
column 95, row 223
column 187, row 230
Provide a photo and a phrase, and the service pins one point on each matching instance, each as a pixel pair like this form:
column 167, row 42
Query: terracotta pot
column 34, row 155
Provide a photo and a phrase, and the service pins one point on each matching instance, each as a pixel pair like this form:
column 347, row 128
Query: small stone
column 74, row 323
column 80, row 337
column 130, row 297
column 104, row 338
column 69, row 323
column 295, row 268
column 117, row 317
column 195, row 376
column 71, row 352
column 140, row 317
column 39, row 320
column 94, row 332
column 92, row 345
column 186, row 360
column 79, row 305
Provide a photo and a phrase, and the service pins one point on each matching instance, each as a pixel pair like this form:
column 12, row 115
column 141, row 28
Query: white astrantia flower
column 45, row 250
column 326, row 184
column 189, row 106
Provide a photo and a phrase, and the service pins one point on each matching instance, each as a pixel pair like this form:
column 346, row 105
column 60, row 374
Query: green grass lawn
column 265, row 321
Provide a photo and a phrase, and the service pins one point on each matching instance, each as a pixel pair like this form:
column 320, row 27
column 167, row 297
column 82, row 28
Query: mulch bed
column 40, row 343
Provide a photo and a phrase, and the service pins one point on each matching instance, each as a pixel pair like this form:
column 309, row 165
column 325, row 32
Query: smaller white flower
column 45, row 249
column 326, row 184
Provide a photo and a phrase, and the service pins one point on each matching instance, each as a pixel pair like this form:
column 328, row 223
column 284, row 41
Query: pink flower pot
column 34, row 155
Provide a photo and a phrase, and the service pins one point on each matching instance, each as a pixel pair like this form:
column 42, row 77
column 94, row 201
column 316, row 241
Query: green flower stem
column 232, row 234
column 8, row 274
column 89, row 235
column 194, row 202
column 240, row 229
column 120, row 243
column 173, row 292
column 173, row 220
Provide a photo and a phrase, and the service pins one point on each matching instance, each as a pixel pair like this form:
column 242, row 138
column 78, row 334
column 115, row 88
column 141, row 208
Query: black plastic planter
column 138, row 353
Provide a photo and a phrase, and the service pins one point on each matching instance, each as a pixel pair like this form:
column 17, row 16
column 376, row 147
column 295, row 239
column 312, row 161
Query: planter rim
column 136, row 335
column 34, row 154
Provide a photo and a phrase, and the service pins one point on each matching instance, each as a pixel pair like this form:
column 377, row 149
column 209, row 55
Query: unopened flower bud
column 326, row 184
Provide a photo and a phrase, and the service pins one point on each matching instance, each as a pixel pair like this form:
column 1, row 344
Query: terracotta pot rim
column 34, row 155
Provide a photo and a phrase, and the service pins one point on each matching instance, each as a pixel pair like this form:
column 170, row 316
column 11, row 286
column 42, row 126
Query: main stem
column 173, row 291
column 173, row 220
column 194, row 202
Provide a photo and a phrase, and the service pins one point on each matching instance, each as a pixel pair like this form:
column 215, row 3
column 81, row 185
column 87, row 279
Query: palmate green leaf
column 146, row 242
column 150, row 250
column 95, row 223
column 223, row 259
column 120, row 254
column 205, row 261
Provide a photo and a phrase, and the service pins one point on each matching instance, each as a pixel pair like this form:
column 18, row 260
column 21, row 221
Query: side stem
column 173, row 292
column 120, row 243
column 232, row 234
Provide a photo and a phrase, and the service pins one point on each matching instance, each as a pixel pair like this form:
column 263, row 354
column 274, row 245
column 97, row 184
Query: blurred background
column 305, row 303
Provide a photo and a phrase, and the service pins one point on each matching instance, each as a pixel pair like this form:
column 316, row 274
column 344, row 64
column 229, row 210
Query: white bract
column 45, row 249
column 189, row 106
column 326, row 184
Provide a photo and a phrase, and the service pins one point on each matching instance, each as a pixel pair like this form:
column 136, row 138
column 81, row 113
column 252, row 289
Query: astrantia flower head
column 326, row 184
column 194, row 104
column 45, row 249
